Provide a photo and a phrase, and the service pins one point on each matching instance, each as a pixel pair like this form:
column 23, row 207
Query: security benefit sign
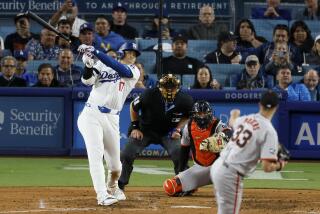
column 305, row 131
column 31, row 122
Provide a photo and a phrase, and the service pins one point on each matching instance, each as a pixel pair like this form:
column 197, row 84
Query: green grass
column 52, row 172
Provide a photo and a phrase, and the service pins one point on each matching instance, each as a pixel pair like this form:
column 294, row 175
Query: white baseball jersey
column 254, row 138
column 109, row 89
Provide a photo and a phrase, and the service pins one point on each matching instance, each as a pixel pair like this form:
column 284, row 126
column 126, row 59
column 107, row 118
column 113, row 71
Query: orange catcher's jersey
column 193, row 136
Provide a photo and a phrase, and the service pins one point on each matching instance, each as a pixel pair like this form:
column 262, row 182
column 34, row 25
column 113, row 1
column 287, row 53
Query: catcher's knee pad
column 172, row 186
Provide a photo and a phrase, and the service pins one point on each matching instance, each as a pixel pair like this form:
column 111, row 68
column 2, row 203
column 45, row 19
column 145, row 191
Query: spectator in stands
column 19, row 39
column 295, row 91
column 247, row 38
column 310, row 12
column 145, row 81
column 311, row 81
column 45, row 49
column 207, row 28
column 153, row 31
column 280, row 58
column 272, row 11
column 300, row 37
column 86, row 36
column 68, row 11
column 46, row 76
column 119, row 23
column 280, row 34
column 313, row 57
column 8, row 77
column 21, row 70
column 252, row 76
column 104, row 38
column 204, row 79
column 66, row 72
column 179, row 62
column 226, row 52
column 65, row 27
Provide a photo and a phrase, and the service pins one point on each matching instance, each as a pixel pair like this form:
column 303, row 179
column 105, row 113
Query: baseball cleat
column 118, row 194
column 107, row 200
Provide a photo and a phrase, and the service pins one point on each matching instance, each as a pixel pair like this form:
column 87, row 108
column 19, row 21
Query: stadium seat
column 222, row 72
column 200, row 48
column 313, row 26
column 32, row 66
column 187, row 80
column 266, row 25
column 148, row 59
column 148, row 44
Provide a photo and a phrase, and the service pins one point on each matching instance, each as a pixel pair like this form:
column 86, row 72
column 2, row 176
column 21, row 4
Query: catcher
column 206, row 136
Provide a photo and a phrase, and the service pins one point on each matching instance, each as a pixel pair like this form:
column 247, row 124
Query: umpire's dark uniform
column 157, row 119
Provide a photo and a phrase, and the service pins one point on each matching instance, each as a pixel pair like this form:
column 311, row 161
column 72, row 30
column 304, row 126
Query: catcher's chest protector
column 202, row 158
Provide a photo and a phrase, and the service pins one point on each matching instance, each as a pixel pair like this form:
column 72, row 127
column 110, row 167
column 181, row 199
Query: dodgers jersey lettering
column 109, row 89
column 253, row 138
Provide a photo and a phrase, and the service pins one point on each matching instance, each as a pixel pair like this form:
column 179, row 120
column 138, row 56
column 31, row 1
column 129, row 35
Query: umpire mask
column 202, row 114
column 169, row 86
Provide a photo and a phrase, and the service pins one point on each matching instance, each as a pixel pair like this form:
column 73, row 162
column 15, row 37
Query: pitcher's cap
column 269, row 99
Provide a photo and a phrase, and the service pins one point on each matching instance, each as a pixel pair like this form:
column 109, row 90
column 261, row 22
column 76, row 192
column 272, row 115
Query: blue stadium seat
column 202, row 47
column 314, row 26
column 187, row 80
column 296, row 78
column 266, row 25
column 148, row 59
column 6, row 30
column 148, row 44
column 222, row 72
column 32, row 66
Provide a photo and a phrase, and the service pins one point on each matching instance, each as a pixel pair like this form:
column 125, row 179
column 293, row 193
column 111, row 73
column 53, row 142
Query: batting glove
column 88, row 59
column 85, row 48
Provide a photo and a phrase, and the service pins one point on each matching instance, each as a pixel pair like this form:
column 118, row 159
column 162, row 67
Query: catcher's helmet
column 202, row 113
column 128, row 46
column 169, row 86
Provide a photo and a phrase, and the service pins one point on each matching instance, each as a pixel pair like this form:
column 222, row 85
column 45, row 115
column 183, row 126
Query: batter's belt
column 103, row 109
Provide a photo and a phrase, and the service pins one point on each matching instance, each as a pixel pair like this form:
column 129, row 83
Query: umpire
column 157, row 117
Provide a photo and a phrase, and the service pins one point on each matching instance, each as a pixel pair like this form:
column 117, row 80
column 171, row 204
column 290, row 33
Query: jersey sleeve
column 185, row 139
column 269, row 147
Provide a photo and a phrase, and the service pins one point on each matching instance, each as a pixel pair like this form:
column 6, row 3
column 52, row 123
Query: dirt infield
column 76, row 200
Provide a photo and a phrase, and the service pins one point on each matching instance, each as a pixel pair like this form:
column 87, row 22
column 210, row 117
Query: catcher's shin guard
column 172, row 186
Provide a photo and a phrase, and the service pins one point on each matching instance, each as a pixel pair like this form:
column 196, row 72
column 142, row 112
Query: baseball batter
column 201, row 128
column 98, row 123
column 254, row 139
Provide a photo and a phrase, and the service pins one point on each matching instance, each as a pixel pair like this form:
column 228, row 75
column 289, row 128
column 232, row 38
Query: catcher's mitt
column 215, row 143
column 283, row 153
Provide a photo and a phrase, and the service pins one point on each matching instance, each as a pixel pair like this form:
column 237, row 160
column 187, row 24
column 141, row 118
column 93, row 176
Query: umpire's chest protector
column 202, row 158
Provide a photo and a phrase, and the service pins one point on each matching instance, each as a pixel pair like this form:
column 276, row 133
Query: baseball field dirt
column 143, row 200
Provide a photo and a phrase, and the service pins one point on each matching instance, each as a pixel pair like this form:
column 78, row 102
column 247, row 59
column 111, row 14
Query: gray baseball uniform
column 254, row 139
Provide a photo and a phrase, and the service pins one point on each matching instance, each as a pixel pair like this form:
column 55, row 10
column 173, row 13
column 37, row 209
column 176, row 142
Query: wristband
column 135, row 124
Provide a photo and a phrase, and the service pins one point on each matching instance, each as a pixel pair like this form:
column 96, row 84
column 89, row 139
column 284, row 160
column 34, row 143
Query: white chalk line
column 49, row 210
column 307, row 212
column 190, row 207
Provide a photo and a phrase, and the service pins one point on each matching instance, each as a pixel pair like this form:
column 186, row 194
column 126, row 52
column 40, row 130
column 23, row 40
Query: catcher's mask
column 202, row 114
column 169, row 86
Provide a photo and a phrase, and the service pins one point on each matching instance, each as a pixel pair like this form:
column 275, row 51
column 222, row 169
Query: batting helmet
column 169, row 86
column 128, row 46
column 202, row 113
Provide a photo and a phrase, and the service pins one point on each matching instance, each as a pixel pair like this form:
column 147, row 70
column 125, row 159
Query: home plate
column 191, row 207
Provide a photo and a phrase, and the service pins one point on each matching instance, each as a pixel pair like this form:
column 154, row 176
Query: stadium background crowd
column 274, row 48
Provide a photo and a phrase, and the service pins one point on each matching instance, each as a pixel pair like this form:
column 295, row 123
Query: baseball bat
column 45, row 24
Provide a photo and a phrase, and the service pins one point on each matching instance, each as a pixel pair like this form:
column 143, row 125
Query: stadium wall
column 43, row 122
